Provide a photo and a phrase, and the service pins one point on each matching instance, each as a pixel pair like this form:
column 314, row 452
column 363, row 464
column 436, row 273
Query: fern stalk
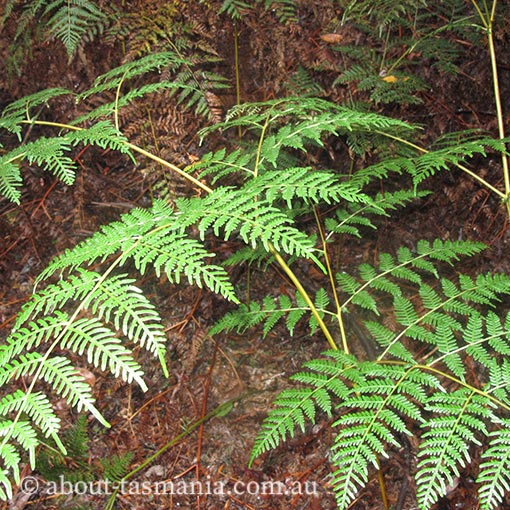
column 481, row 180
column 295, row 280
column 488, row 22
column 338, row 307
column 131, row 146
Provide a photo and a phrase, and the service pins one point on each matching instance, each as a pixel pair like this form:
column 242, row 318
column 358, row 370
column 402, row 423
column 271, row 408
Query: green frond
column 300, row 83
column 150, row 238
column 376, row 407
column 456, row 419
column 103, row 134
column 8, row 456
column 313, row 186
column 115, row 299
column 406, row 269
column 221, row 164
column 268, row 314
column 26, row 338
column 49, row 153
column 18, row 110
column 494, row 476
column 227, row 210
column 104, row 350
column 116, row 467
column 294, row 407
column 37, row 406
column 72, row 20
column 234, row 8
column 10, row 178
column 25, row 435
column 194, row 88
column 114, row 78
column 348, row 220
column 285, row 10
column 313, row 118
column 109, row 109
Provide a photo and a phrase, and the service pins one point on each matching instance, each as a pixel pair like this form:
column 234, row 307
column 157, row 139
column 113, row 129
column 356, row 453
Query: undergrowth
column 417, row 376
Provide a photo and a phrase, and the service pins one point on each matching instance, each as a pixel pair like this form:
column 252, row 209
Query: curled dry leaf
column 331, row 38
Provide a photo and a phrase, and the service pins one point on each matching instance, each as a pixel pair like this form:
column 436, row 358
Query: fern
column 115, row 468
column 494, row 471
column 261, row 189
column 72, row 22
column 457, row 418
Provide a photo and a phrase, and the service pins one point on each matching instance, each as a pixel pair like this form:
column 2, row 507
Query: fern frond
column 269, row 314
column 25, row 435
column 114, row 299
column 221, row 164
column 10, row 178
column 150, row 238
column 115, row 468
column 300, row 83
column 103, row 134
column 59, row 373
column 376, row 406
column 234, row 8
column 108, row 109
column 114, row 78
column 406, row 267
column 428, row 164
column 456, row 420
column 293, row 407
column 72, row 20
column 494, row 476
column 49, row 153
column 104, row 350
column 348, row 220
column 313, row 117
column 19, row 110
column 285, row 10
column 228, row 210
column 37, row 406
column 313, row 186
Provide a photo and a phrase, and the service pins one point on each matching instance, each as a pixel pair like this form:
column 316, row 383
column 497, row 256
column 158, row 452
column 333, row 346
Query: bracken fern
column 262, row 191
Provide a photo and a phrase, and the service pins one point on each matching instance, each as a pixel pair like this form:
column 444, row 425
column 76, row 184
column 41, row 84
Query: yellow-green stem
column 499, row 114
column 294, row 279
column 466, row 170
column 207, row 189
column 338, row 307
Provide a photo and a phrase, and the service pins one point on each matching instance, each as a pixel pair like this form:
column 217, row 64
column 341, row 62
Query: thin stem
column 499, row 112
column 219, row 411
column 237, row 72
column 338, row 307
column 175, row 168
column 466, row 170
column 305, row 296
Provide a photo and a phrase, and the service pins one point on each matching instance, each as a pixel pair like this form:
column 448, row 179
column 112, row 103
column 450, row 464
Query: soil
column 247, row 368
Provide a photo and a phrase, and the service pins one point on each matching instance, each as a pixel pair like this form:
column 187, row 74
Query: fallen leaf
column 331, row 38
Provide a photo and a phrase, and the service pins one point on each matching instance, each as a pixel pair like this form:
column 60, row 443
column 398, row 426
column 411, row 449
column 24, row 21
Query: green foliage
column 51, row 153
column 72, row 22
column 263, row 190
column 385, row 68
column 378, row 399
column 74, row 466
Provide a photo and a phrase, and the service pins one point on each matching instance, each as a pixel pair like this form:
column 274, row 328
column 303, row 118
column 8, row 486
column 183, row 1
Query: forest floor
column 248, row 369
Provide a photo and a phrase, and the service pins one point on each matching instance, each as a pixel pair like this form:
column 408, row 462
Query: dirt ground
column 248, row 368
